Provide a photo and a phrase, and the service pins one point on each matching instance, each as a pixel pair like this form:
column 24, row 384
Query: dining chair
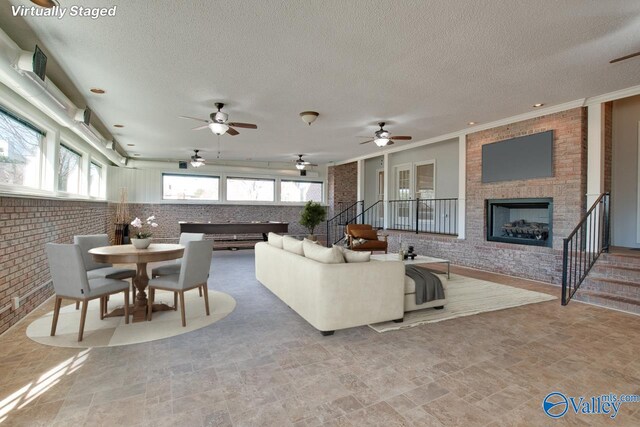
column 194, row 273
column 70, row 281
column 174, row 266
column 97, row 270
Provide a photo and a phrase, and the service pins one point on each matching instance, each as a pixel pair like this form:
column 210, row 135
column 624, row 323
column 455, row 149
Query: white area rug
column 465, row 297
column 112, row 331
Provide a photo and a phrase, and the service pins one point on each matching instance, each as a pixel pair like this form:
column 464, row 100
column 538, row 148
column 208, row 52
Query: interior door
column 402, row 206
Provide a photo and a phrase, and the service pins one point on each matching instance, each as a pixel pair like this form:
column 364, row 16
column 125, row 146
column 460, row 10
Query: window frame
column 281, row 180
column 81, row 191
column 42, row 144
column 274, row 196
column 218, row 177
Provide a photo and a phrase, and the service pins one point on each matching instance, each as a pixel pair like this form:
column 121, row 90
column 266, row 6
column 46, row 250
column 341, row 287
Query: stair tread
column 603, row 295
column 617, row 281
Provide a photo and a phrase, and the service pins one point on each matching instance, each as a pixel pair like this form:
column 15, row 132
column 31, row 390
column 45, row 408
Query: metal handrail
column 583, row 246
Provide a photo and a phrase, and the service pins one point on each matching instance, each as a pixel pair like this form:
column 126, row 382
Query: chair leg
column 175, row 301
column 77, row 305
column 134, row 290
column 184, row 320
column 203, row 289
column 56, row 313
column 126, row 306
column 200, row 291
column 83, row 317
column 150, row 304
column 103, row 302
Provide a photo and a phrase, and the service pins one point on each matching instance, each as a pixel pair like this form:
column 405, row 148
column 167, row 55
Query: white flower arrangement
column 141, row 234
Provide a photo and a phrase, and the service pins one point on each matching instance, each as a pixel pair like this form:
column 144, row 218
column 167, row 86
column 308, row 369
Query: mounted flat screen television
column 524, row 157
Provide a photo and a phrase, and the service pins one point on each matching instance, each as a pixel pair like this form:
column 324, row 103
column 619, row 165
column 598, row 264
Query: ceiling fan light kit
column 381, row 142
column 219, row 124
column 218, row 128
column 309, row 116
column 197, row 160
column 383, row 138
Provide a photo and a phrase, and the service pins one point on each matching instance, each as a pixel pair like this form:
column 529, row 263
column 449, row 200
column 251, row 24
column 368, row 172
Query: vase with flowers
column 141, row 239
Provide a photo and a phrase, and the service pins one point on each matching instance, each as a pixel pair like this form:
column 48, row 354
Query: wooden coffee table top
column 128, row 254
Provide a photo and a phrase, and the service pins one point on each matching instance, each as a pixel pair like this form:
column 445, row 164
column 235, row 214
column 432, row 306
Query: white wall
column 625, row 220
column 444, row 153
column 371, row 167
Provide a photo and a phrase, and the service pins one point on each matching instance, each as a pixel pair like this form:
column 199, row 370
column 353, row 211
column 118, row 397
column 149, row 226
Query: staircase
column 614, row 281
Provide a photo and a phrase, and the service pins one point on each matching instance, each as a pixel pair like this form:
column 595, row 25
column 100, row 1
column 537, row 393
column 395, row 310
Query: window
column 250, row 189
column 95, row 179
column 69, row 170
column 20, row 148
column 190, row 187
column 300, row 191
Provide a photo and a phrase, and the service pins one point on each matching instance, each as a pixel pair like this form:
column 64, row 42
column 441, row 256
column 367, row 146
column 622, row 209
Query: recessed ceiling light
column 97, row 90
column 118, row 126
column 131, row 145
column 537, row 105
column 471, row 123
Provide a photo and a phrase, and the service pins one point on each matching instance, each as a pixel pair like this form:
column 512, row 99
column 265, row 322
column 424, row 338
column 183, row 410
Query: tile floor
column 264, row 365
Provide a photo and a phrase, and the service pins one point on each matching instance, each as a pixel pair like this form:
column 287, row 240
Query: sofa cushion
column 365, row 234
column 293, row 245
column 321, row 254
column 275, row 240
column 354, row 256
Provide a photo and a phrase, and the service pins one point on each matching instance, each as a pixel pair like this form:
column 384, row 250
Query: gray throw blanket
column 428, row 285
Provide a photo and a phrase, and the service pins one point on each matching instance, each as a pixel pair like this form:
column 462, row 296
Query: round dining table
column 128, row 254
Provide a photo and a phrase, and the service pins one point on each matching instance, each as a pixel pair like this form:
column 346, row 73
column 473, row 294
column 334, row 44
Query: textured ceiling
column 425, row 67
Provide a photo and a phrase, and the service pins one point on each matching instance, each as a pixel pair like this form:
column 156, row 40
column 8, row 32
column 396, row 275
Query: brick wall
column 168, row 215
column 343, row 184
column 567, row 188
column 25, row 226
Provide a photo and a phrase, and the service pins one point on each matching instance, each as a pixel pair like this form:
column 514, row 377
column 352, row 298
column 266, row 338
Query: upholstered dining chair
column 70, row 281
column 174, row 267
column 194, row 273
column 97, row 270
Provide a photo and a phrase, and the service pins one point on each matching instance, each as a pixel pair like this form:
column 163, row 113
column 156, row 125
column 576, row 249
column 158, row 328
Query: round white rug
column 112, row 331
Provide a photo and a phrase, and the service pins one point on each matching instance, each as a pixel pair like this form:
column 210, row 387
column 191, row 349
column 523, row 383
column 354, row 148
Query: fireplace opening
column 520, row 221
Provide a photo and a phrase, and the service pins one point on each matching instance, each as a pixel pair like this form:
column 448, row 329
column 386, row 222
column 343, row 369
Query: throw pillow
column 354, row 256
column 275, row 240
column 357, row 242
column 365, row 234
column 293, row 245
column 321, row 254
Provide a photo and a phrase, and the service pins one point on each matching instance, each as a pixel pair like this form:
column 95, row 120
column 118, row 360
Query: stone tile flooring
column 264, row 365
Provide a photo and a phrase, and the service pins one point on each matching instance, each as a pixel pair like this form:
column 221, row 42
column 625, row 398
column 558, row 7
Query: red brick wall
column 25, row 226
column 343, row 184
column 567, row 188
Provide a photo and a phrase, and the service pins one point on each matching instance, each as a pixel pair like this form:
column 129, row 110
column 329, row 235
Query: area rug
column 112, row 331
column 465, row 297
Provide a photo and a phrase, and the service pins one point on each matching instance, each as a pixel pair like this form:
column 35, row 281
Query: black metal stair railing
column 337, row 224
column 373, row 215
column 436, row 216
column 584, row 245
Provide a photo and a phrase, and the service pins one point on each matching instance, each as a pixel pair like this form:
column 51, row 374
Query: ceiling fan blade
column 310, row 164
column 390, row 143
column 401, row 138
column 194, row 118
column 231, row 131
column 243, row 125
column 622, row 58
column 366, row 142
column 201, row 127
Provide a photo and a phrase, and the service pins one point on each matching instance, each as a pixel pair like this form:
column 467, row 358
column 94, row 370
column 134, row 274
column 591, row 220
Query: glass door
column 402, row 207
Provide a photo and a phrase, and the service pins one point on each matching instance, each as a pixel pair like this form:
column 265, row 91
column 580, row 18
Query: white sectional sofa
column 341, row 295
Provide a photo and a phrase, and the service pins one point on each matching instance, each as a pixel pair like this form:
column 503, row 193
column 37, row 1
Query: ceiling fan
column 301, row 164
column 219, row 123
column 197, row 160
column 383, row 137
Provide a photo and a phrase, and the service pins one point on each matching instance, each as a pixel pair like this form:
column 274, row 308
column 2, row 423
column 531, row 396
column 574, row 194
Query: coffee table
column 419, row 259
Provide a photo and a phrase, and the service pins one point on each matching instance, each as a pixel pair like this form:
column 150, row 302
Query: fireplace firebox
column 520, row 221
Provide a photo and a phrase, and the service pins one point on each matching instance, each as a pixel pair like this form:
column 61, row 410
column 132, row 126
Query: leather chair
column 194, row 273
column 365, row 231
column 70, row 281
